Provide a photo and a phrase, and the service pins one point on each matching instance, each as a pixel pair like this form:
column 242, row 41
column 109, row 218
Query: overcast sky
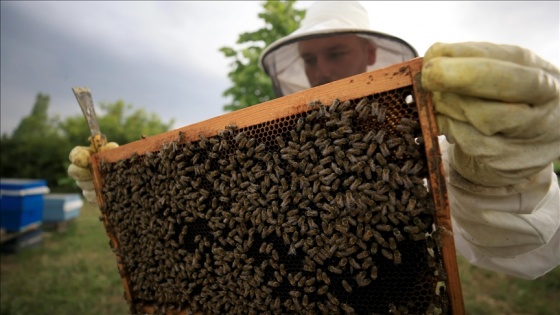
column 164, row 56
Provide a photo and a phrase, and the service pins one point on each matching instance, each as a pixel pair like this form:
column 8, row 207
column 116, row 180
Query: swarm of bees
column 322, row 212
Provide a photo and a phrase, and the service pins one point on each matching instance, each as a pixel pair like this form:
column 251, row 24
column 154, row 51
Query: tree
column 36, row 148
column 38, row 123
column 39, row 146
column 117, row 123
column 251, row 85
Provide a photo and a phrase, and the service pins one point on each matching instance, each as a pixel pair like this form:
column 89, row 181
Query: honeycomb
column 326, row 211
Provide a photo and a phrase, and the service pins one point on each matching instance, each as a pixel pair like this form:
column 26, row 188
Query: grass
column 486, row 292
column 74, row 272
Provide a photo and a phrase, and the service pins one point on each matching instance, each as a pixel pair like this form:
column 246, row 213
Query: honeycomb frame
column 403, row 77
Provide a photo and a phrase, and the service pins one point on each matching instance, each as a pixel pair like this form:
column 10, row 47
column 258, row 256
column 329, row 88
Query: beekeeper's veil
column 282, row 62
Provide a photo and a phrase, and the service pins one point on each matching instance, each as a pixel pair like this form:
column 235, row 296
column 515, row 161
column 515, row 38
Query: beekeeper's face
column 333, row 58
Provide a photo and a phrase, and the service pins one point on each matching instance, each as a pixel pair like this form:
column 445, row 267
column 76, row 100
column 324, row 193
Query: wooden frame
column 401, row 75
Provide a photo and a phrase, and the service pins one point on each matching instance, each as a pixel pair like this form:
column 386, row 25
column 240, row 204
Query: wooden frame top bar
column 349, row 88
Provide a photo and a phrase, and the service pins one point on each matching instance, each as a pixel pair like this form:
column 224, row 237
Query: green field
column 74, row 272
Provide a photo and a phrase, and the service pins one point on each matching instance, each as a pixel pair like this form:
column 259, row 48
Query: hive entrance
column 321, row 211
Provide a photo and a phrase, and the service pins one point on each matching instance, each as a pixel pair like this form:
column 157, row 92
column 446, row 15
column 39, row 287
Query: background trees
column 251, row 85
column 39, row 146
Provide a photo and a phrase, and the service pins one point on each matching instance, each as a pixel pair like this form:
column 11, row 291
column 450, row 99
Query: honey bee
column 393, row 142
column 351, row 157
column 418, row 236
column 282, row 269
column 332, row 299
column 401, row 150
column 312, row 225
column 300, row 123
column 346, row 286
column 335, row 185
column 328, row 150
column 355, row 184
column 339, row 142
column 391, row 216
column 313, row 155
column 409, row 139
column 344, row 129
column 344, row 106
column 347, row 308
column 403, row 129
column 301, row 281
column 379, row 239
column 381, row 114
column 417, row 168
column 398, row 234
column 364, row 113
column 326, row 278
column 409, row 122
column 392, row 243
column 309, row 289
column 385, row 174
column 323, row 290
column 334, row 269
column 294, row 136
column 354, row 264
column 275, row 303
column 314, row 103
column 383, row 227
column 419, row 223
column 411, row 204
column 367, row 263
column 380, row 159
column 384, row 150
column 363, row 254
column 295, row 294
column 374, row 108
column 397, row 257
column 387, row 254
column 334, row 105
column 361, row 104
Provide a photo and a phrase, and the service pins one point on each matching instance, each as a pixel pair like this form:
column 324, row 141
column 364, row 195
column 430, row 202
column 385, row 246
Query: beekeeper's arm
column 498, row 107
column 80, row 169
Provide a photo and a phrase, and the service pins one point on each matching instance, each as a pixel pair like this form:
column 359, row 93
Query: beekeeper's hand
column 80, row 169
column 499, row 107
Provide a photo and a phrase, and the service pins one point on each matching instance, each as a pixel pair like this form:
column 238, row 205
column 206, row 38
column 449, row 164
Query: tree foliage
column 251, row 85
column 117, row 122
column 36, row 147
column 39, row 146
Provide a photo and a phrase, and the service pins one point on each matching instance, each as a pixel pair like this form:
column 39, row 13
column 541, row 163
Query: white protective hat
column 281, row 59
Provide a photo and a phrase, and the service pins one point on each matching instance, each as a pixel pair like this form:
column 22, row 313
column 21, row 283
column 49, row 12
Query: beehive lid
column 23, row 186
column 66, row 202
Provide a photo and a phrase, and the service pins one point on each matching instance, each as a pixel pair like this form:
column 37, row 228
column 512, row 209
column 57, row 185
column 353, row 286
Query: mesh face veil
column 282, row 62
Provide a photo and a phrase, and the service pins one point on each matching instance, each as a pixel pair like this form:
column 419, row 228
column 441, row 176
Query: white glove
column 499, row 107
column 80, row 170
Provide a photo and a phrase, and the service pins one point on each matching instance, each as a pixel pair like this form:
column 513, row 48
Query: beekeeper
column 497, row 106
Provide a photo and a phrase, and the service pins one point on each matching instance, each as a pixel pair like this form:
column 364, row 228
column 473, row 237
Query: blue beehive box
column 21, row 202
column 61, row 207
